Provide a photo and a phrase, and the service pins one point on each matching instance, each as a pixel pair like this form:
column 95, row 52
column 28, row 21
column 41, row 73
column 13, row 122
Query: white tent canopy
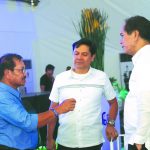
column 45, row 33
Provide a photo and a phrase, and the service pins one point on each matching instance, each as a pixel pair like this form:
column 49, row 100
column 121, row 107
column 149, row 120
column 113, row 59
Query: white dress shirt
column 81, row 127
column 137, row 103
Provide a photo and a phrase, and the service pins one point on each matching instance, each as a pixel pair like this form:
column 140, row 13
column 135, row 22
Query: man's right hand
column 66, row 105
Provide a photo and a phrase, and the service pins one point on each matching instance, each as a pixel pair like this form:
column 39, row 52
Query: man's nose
column 79, row 56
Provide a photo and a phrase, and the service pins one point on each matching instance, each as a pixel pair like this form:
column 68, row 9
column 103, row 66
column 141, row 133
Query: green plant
column 93, row 26
column 41, row 148
column 122, row 92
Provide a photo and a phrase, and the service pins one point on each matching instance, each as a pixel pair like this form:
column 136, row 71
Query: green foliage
column 93, row 26
column 44, row 147
column 122, row 92
column 41, row 148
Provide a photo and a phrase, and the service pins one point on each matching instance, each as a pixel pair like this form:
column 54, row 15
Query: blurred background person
column 47, row 80
column 68, row 68
column 46, row 83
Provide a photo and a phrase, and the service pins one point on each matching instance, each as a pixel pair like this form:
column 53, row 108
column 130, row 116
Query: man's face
column 49, row 73
column 18, row 75
column 82, row 57
column 127, row 41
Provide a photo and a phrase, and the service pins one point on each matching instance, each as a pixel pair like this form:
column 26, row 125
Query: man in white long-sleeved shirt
column 136, row 42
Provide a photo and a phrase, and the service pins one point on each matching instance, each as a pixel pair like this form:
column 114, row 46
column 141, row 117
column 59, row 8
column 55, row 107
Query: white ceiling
column 117, row 10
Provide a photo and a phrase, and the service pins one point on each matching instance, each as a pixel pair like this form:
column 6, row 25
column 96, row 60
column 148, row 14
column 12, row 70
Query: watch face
column 111, row 122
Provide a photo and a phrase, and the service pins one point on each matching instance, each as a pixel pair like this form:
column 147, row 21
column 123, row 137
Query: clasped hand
column 68, row 105
column 111, row 133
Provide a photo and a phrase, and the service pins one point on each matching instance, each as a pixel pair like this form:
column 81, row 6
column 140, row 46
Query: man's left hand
column 111, row 133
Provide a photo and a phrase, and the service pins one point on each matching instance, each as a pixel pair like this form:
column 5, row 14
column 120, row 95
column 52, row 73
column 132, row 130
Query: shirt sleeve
column 143, row 102
column 14, row 112
column 42, row 80
column 143, row 117
column 109, row 90
column 54, row 95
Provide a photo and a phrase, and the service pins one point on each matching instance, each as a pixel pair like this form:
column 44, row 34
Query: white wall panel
column 45, row 33
column 17, row 31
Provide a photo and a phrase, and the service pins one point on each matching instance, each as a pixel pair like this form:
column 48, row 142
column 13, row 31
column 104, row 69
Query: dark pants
column 3, row 147
column 60, row 147
column 133, row 147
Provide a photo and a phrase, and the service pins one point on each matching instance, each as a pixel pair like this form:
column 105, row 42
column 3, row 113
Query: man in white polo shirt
column 82, row 128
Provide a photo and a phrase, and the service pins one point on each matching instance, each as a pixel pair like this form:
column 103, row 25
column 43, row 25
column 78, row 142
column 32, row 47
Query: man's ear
column 7, row 73
column 136, row 35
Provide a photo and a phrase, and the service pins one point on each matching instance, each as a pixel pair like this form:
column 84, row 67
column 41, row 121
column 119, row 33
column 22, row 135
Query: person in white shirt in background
column 82, row 128
column 136, row 42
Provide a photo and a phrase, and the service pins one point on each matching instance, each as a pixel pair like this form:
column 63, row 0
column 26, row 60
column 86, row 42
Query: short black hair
column 140, row 24
column 85, row 41
column 7, row 62
column 49, row 67
column 68, row 67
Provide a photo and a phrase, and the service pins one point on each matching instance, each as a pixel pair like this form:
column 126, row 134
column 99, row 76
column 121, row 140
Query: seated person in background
column 46, row 81
column 18, row 128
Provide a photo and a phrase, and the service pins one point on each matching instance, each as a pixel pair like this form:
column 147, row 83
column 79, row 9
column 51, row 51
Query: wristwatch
column 111, row 122
column 55, row 112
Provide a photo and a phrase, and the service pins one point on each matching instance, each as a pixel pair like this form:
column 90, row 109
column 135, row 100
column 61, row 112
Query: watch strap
column 55, row 112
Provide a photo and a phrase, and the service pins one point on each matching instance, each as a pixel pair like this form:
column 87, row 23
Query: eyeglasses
column 23, row 70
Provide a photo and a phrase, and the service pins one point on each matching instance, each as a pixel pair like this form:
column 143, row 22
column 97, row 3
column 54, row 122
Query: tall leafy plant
column 93, row 26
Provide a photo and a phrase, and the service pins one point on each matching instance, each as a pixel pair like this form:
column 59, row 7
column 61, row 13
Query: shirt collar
column 139, row 53
column 11, row 90
column 72, row 73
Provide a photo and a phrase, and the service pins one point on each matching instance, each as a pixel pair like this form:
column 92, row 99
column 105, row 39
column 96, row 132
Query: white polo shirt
column 137, row 103
column 81, row 127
